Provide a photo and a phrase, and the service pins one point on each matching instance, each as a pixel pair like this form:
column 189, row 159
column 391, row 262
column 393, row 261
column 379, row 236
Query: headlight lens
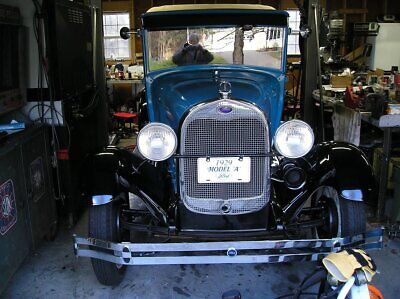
column 157, row 142
column 294, row 139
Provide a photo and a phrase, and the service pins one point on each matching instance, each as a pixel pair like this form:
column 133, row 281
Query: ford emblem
column 225, row 109
column 231, row 252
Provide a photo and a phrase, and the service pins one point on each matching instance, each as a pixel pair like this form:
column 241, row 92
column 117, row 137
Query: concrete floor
column 54, row 272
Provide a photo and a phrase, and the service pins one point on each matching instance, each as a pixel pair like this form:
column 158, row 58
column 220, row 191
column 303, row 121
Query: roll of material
column 12, row 126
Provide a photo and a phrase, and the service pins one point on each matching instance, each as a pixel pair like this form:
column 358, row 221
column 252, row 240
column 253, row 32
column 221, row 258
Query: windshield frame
column 146, row 48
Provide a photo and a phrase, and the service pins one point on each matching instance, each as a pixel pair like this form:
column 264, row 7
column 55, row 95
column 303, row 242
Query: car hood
column 172, row 93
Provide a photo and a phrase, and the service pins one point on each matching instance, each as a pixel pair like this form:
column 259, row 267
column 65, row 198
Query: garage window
column 293, row 38
column 114, row 46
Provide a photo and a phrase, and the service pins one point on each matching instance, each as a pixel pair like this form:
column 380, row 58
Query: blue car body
column 273, row 196
column 172, row 93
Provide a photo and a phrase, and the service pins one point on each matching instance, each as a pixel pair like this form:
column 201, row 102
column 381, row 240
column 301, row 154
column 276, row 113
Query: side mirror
column 125, row 32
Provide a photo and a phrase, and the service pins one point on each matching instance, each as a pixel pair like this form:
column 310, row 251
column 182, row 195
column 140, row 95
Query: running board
column 230, row 252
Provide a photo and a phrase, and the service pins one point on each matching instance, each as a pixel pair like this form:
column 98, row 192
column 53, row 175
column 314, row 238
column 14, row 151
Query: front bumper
column 229, row 252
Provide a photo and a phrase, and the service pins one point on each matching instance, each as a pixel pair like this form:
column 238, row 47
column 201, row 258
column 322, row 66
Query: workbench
column 125, row 81
column 386, row 123
column 136, row 84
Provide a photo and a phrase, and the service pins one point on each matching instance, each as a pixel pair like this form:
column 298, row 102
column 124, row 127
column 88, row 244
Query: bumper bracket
column 230, row 252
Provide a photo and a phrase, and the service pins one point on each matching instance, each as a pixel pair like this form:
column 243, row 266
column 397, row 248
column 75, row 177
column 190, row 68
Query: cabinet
column 27, row 204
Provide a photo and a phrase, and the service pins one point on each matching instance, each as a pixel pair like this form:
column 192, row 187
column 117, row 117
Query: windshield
column 249, row 45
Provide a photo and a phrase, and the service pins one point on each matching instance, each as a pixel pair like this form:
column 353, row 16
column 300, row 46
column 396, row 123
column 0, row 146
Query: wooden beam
column 364, row 5
column 353, row 11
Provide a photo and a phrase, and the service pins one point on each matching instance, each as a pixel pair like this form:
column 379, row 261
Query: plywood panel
column 226, row 1
column 354, row 3
column 249, row 1
column 285, row 4
column 185, row 1
column 333, row 5
column 273, row 3
column 375, row 8
column 393, row 7
column 162, row 2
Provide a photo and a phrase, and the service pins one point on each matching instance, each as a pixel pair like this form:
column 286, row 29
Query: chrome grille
column 208, row 132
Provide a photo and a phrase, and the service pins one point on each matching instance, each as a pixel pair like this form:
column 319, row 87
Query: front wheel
column 341, row 217
column 104, row 225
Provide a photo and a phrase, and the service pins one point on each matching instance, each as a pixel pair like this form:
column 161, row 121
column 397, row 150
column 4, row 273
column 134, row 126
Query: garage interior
column 71, row 86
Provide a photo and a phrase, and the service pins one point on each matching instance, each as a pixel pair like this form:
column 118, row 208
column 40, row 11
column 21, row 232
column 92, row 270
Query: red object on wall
column 351, row 99
column 63, row 154
column 397, row 82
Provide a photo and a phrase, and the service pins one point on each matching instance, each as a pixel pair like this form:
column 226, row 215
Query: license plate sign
column 223, row 170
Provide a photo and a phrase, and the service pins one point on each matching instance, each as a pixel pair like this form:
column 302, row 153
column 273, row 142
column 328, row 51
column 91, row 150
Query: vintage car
column 216, row 177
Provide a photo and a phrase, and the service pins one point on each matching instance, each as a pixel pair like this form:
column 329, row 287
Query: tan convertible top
column 180, row 7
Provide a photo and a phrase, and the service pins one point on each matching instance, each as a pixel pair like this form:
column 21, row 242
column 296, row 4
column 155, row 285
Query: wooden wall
column 123, row 6
column 138, row 7
column 353, row 11
column 361, row 11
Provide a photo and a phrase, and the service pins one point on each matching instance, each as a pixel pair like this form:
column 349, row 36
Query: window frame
column 146, row 38
column 109, row 37
column 294, row 32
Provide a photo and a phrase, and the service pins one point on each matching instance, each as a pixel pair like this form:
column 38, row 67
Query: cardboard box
column 340, row 81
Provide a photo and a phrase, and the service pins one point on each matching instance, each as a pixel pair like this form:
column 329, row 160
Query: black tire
column 342, row 217
column 353, row 219
column 103, row 224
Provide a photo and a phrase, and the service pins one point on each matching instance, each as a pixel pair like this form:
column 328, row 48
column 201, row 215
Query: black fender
column 100, row 174
column 115, row 170
column 340, row 165
column 343, row 166
column 143, row 118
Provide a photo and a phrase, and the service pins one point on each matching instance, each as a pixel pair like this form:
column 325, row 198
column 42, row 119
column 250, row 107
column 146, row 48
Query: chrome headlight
column 294, row 139
column 157, row 142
